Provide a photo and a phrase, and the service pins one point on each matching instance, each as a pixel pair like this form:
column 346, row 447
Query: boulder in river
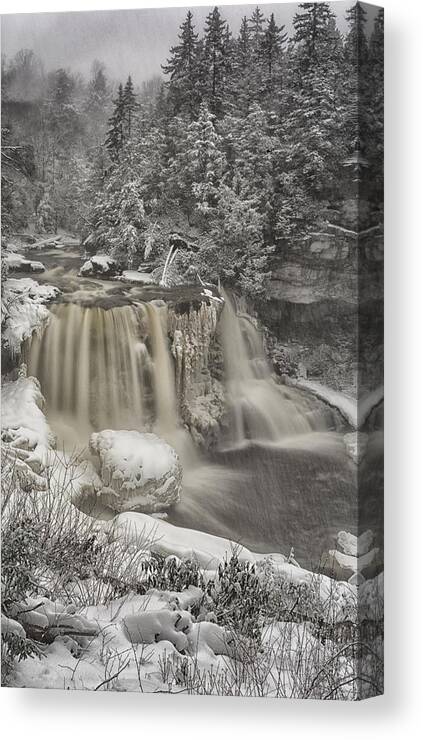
column 139, row 471
column 100, row 265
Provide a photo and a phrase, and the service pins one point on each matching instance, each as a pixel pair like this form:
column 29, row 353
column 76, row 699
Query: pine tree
column 183, row 68
column 118, row 216
column 216, row 62
column 130, row 106
column 310, row 30
column 272, row 48
column 62, row 87
column 240, row 82
column 115, row 135
column 255, row 25
column 375, row 109
column 356, row 47
column 197, row 167
column 376, row 45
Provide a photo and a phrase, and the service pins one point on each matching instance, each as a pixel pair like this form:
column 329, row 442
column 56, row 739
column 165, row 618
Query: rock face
column 100, row 265
column 139, row 471
column 322, row 291
column 200, row 395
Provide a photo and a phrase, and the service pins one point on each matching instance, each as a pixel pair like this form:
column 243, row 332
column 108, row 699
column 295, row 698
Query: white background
column 44, row 714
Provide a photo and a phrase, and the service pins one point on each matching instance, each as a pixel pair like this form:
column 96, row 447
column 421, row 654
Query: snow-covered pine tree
column 119, row 216
column 130, row 107
column 197, row 167
column 256, row 30
column 240, row 80
column 310, row 30
column 183, row 68
column 274, row 39
column 356, row 46
column 115, row 135
column 216, row 62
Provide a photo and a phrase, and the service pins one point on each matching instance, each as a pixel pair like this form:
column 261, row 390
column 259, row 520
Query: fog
column 133, row 42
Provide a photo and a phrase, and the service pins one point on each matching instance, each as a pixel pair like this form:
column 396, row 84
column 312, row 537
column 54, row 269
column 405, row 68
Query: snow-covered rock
column 18, row 263
column 132, row 276
column 100, row 265
column 349, row 544
column 139, row 471
column 356, row 412
column 154, row 626
column 346, row 564
column 24, row 310
column 26, row 435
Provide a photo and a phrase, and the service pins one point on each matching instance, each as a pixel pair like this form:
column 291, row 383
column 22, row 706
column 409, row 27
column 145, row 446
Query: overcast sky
column 128, row 41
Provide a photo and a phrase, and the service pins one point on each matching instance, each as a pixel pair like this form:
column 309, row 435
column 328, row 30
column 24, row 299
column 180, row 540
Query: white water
column 259, row 409
column 112, row 368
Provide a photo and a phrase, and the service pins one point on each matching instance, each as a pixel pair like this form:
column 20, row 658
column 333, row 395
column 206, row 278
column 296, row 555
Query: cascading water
column 259, row 409
column 97, row 373
column 104, row 365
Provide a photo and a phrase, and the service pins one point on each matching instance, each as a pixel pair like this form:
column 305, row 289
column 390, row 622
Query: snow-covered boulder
column 24, row 310
column 100, row 265
column 18, row 263
column 139, row 471
column 352, row 557
column 154, row 626
column 26, row 435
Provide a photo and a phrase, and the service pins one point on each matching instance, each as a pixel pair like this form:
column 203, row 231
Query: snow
column 132, row 276
column 24, row 309
column 19, row 263
column 22, row 415
column 154, row 626
column 345, row 404
column 354, row 411
column 138, row 470
column 133, row 456
column 99, row 264
column 207, row 549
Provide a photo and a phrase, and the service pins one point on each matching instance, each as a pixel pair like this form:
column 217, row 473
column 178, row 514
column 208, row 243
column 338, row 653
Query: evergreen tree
column 255, row 25
column 198, row 166
column 272, row 47
column 216, row 62
column 183, row 68
column 130, row 106
column 356, row 47
column 310, row 31
column 119, row 217
column 115, row 135
column 376, row 45
column 63, row 87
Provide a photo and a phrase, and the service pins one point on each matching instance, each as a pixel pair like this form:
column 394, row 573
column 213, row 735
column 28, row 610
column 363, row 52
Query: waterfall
column 259, row 409
column 112, row 368
column 97, row 372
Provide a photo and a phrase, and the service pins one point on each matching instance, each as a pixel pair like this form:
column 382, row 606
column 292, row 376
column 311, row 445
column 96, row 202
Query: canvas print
column 192, row 350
